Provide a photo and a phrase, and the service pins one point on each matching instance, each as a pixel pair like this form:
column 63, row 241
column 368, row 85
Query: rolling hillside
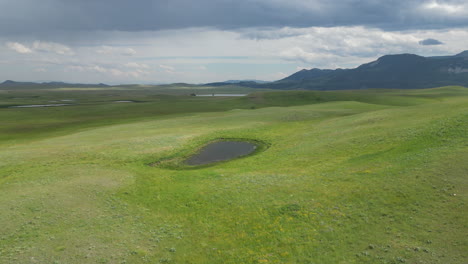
column 374, row 176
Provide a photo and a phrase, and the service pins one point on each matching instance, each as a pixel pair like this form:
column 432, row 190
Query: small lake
column 221, row 94
column 43, row 105
column 220, row 151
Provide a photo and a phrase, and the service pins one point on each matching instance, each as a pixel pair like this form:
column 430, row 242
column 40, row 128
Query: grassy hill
column 375, row 176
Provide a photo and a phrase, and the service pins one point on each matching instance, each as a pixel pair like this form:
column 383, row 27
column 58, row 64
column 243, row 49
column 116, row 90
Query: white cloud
column 445, row 7
column 298, row 54
column 271, row 76
column 301, row 5
column 109, row 50
column 278, row 76
column 137, row 65
column 105, row 50
column 18, row 47
column 129, row 52
column 299, row 68
column 52, row 47
column 346, row 47
column 40, row 70
column 98, row 69
column 215, row 55
column 169, row 69
column 110, row 71
column 285, row 32
column 39, row 46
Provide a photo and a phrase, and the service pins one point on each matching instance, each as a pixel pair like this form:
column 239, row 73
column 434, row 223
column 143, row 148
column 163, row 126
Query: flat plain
column 368, row 176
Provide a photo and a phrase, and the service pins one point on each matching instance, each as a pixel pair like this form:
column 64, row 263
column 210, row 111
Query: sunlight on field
column 348, row 178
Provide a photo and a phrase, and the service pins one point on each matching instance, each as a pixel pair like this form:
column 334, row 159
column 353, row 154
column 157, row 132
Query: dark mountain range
column 250, row 80
column 402, row 71
column 33, row 85
column 308, row 74
column 463, row 54
column 247, row 83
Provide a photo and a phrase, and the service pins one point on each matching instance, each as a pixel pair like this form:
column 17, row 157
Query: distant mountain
column 237, row 82
column 307, row 74
column 463, row 54
column 402, row 71
column 33, row 85
column 249, row 80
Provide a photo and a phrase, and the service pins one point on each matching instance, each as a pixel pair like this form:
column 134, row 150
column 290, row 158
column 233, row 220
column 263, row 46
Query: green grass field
column 371, row 176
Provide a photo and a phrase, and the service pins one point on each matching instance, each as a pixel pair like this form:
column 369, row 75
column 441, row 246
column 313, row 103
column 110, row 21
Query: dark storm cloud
column 32, row 16
column 430, row 42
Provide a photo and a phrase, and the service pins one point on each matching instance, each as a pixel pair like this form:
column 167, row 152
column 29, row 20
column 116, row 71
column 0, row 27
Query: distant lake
column 220, row 151
column 44, row 105
column 221, row 94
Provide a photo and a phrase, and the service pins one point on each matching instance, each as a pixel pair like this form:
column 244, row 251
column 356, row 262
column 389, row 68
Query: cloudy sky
column 163, row 41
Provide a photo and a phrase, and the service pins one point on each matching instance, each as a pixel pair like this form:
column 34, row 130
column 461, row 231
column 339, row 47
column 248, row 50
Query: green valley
column 362, row 176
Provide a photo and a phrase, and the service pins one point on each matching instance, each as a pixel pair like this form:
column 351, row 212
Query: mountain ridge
column 15, row 84
column 237, row 82
column 400, row 71
column 395, row 71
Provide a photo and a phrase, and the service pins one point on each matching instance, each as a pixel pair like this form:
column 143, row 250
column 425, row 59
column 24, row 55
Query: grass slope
column 350, row 177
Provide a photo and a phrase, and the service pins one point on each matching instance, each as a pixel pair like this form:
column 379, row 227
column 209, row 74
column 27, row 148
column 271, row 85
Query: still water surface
column 221, row 94
column 221, row 150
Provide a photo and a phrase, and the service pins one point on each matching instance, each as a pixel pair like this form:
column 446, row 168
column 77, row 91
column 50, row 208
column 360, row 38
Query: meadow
column 368, row 176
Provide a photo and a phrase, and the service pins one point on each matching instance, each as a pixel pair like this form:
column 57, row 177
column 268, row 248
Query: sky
column 167, row 41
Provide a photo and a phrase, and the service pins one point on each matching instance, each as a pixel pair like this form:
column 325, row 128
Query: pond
column 43, row 105
column 221, row 94
column 221, row 151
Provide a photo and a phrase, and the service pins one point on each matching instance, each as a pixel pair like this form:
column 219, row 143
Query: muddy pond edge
column 177, row 160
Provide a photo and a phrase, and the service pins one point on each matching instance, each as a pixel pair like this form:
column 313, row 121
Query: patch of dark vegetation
column 292, row 210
